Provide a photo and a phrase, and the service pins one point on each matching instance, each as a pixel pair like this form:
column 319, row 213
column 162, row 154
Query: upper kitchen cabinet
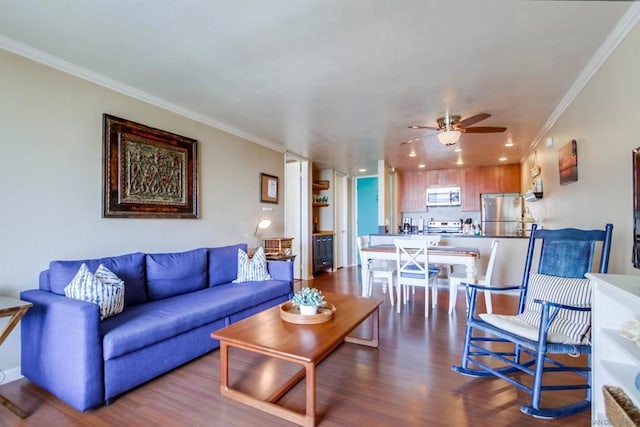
column 472, row 182
column 413, row 191
column 470, row 191
column 490, row 179
column 445, row 178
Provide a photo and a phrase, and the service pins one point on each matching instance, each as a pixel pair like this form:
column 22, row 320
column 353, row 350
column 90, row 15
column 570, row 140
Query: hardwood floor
column 407, row 381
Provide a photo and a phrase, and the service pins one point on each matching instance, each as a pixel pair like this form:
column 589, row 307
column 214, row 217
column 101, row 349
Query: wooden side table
column 16, row 309
column 289, row 258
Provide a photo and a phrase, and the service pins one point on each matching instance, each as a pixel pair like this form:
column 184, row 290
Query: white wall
column 603, row 120
column 51, row 180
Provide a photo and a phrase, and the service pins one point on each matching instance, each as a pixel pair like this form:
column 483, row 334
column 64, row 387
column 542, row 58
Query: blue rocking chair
column 553, row 317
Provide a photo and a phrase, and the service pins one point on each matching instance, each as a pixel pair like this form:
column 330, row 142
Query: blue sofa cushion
column 170, row 274
column 146, row 324
column 130, row 268
column 223, row 263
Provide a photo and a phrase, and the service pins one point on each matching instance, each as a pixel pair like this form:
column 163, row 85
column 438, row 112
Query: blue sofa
column 173, row 301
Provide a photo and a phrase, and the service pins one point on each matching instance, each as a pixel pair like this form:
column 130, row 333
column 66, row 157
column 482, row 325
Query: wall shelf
column 320, row 205
column 320, row 185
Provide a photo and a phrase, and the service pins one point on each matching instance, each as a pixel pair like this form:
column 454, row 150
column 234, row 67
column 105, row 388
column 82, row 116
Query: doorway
column 296, row 214
column 366, row 206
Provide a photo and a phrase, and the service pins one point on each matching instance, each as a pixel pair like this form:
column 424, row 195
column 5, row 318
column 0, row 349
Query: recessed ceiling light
column 362, row 170
column 459, row 162
column 412, row 154
column 509, row 144
column 421, row 166
column 502, row 159
column 457, row 149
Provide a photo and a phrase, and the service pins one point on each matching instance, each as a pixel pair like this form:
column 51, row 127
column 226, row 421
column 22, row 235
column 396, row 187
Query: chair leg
column 453, row 294
column 390, row 285
column 426, row 301
column 399, row 296
column 434, row 292
column 487, row 302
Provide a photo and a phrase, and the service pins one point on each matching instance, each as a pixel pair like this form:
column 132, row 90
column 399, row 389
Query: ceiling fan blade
column 474, row 119
column 423, row 127
column 410, row 141
column 485, row 129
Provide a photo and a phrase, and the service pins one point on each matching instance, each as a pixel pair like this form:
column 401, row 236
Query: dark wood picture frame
column 148, row 172
column 269, row 188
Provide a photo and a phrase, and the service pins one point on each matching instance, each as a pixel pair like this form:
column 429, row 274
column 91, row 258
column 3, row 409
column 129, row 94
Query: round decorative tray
column 290, row 313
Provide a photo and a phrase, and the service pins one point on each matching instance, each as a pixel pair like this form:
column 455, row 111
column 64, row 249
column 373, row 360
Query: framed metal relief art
column 147, row 172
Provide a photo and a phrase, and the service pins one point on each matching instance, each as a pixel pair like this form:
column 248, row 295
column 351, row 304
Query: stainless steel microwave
column 446, row 196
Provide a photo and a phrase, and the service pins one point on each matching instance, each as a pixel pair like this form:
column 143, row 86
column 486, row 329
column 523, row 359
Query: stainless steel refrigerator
column 501, row 214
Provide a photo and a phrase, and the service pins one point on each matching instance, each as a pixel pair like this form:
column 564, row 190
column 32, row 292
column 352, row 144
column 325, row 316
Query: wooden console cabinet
column 322, row 252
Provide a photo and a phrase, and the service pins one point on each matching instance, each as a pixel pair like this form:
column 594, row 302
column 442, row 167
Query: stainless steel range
column 446, row 226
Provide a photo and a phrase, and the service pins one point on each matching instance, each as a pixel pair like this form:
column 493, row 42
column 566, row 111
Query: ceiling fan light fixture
column 449, row 137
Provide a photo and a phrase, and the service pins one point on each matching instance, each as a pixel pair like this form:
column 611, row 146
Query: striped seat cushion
column 103, row 288
column 561, row 290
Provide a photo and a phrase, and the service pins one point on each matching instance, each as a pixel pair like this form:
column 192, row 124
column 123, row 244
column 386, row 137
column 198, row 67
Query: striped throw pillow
column 103, row 288
column 252, row 269
column 561, row 290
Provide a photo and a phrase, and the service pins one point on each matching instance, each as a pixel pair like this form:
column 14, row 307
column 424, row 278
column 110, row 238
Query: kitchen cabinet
column 413, row 192
column 500, row 179
column 472, row 183
column 445, row 178
column 616, row 360
column 322, row 252
column 470, row 190
column 489, row 179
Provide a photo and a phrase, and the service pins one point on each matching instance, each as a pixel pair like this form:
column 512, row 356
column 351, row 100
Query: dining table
column 451, row 255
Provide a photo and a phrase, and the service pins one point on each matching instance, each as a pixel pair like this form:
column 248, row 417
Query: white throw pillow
column 252, row 269
column 561, row 290
column 103, row 288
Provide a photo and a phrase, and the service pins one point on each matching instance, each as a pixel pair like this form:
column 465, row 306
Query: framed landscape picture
column 148, row 172
column 568, row 163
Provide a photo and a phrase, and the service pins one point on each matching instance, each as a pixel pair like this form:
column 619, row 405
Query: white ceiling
column 336, row 81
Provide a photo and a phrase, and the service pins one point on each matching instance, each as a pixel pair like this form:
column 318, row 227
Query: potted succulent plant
column 308, row 300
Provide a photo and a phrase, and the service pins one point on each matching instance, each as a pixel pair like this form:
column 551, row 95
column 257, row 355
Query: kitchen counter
column 444, row 235
column 323, row 233
column 510, row 259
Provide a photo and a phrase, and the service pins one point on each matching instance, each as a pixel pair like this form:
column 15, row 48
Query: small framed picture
column 268, row 188
column 568, row 163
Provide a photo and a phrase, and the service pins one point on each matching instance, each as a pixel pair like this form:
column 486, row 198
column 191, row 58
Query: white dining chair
column 379, row 271
column 412, row 265
column 455, row 279
column 432, row 240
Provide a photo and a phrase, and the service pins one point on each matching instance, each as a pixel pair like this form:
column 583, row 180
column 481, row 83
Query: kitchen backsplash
column 441, row 213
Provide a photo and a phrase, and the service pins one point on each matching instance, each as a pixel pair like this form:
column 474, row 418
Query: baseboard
column 10, row 375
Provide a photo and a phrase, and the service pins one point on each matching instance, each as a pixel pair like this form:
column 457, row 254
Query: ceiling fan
column 450, row 127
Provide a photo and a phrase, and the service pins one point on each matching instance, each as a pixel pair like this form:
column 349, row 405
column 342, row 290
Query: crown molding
column 617, row 35
column 44, row 58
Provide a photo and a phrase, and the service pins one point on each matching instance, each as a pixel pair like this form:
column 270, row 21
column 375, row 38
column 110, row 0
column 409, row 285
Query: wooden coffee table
column 307, row 345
